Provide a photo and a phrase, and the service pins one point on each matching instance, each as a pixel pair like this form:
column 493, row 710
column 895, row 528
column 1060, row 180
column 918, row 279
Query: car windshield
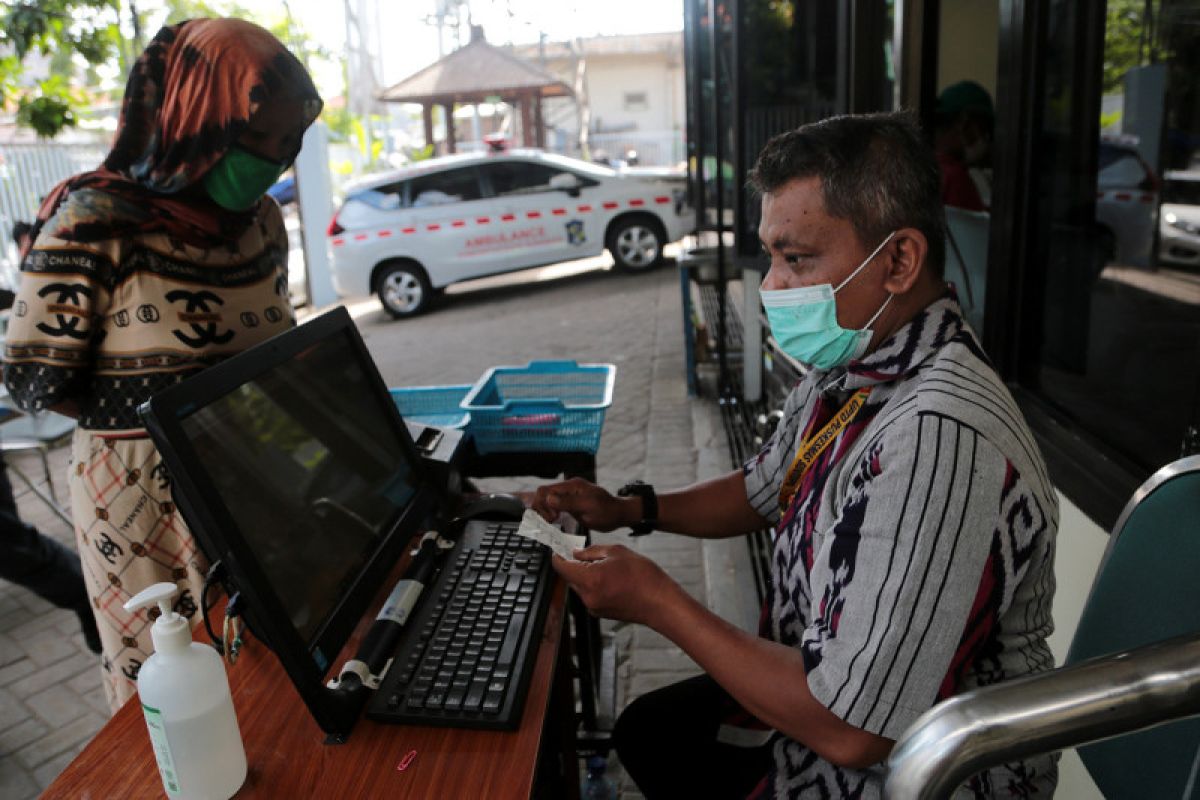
column 1183, row 192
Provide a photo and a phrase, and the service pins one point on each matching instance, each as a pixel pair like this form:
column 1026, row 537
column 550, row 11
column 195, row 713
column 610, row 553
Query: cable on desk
column 233, row 628
column 214, row 576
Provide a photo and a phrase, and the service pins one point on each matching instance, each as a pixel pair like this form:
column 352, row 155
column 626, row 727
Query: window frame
column 1086, row 469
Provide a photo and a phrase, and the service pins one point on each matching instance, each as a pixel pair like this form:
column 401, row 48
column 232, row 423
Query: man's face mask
column 237, row 181
column 804, row 322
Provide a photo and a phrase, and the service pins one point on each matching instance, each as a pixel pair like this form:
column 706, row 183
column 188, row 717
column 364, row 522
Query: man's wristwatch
column 645, row 491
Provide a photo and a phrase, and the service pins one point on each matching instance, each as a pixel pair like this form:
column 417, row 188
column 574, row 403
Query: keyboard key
column 435, row 700
column 454, row 699
column 491, row 702
column 511, row 638
column 474, row 698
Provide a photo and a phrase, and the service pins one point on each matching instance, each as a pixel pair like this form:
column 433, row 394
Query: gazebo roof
column 471, row 74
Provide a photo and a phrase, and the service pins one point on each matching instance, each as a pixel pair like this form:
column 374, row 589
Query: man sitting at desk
column 914, row 520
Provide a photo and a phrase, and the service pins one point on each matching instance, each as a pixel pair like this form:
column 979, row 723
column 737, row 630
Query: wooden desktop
column 288, row 757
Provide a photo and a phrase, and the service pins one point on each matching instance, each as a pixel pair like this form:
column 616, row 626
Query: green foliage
column 47, row 115
column 61, row 29
column 87, row 27
column 85, row 34
column 340, row 123
column 421, row 153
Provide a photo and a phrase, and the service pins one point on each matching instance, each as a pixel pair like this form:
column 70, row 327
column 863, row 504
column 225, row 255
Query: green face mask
column 237, row 181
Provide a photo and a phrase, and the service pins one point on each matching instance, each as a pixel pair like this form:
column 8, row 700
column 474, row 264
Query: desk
column 288, row 759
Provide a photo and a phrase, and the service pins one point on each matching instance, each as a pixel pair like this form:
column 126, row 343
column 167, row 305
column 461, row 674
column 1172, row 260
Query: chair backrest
column 1146, row 590
column 966, row 259
column 40, row 430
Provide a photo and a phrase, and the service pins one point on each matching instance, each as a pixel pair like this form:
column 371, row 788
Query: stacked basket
column 545, row 406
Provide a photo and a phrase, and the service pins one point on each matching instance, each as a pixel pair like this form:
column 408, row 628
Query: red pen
column 404, row 762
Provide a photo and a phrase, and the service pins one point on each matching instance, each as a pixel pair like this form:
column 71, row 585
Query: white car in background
column 408, row 233
column 1179, row 219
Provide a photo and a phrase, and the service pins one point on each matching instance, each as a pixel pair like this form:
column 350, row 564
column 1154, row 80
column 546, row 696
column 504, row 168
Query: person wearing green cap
column 962, row 138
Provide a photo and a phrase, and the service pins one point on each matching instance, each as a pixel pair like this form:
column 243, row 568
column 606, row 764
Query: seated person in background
column 962, row 138
column 914, row 519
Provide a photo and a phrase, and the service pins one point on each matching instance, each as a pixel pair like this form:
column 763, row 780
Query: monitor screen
column 299, row 457
column 294, row 469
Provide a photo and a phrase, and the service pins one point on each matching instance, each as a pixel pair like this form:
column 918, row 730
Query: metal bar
column 1095, row 699
column 58, row 510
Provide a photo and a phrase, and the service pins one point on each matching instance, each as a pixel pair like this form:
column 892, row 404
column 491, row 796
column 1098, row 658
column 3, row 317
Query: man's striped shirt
column 916, row 559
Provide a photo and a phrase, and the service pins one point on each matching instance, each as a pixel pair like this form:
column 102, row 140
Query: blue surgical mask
column 804, row 322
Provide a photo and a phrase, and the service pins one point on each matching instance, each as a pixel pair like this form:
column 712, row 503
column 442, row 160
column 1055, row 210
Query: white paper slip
column 536, row 528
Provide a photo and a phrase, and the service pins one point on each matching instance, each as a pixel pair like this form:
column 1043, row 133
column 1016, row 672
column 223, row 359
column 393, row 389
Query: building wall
column 611, row 80
column 968, row 43
column 610, row 77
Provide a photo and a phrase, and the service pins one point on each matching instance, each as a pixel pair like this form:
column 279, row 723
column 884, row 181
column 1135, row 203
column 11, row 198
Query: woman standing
column 165, row 260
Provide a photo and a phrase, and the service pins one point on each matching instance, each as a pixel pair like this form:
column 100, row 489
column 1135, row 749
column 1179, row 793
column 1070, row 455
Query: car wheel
column 636, row 244
column 404, row 289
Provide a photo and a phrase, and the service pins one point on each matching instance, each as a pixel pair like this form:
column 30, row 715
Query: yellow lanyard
column 816, row 444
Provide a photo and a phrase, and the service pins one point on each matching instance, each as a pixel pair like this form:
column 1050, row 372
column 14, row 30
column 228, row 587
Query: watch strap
column 645, row 491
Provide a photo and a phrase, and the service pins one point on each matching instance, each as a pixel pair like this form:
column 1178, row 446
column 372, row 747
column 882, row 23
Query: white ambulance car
column 409, row 233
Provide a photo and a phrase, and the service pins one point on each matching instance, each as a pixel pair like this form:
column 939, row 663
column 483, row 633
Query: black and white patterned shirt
column 916, row 560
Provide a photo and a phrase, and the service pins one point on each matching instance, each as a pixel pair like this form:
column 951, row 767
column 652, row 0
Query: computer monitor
column 292, row 466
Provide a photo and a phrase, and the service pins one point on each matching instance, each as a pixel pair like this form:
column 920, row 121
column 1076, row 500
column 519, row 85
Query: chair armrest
column 1085, row 702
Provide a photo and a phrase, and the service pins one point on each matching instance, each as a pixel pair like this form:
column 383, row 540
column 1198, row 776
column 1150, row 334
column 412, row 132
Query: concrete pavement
column 50, row 697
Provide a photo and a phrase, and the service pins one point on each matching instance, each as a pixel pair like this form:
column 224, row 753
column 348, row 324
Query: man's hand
column 591, row 505
column 616, row 583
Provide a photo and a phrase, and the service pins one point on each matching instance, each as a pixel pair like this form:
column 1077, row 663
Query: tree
column 88, row 33
column 87, row 28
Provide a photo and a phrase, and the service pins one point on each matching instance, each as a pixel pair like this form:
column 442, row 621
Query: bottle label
column 162, row 750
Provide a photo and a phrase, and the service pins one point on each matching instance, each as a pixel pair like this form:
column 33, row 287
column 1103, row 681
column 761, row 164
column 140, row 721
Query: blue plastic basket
column 433, row 405
column 546, row 406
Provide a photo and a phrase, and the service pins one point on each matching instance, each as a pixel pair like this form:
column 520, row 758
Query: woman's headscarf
column 189, row 97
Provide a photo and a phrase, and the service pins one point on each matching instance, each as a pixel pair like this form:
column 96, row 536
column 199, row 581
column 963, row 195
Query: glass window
column 518, row 177
column 448, row 186
column 963, row 122
column 384, row 198
column 1116, row 272
column 792, row 80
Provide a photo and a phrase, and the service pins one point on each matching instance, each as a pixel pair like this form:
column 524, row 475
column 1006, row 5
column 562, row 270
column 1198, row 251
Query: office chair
column 1147, row 590
column 1134, row 663
column 41, row 432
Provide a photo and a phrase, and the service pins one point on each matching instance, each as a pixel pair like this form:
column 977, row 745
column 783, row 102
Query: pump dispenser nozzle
column 170, row 632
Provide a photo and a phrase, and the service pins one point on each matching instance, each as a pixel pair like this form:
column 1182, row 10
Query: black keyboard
column 468, row 654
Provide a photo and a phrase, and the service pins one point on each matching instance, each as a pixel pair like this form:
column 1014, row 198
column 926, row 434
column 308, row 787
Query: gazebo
column 479, row 73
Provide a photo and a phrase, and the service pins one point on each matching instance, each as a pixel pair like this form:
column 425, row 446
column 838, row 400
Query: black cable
column 216, row 574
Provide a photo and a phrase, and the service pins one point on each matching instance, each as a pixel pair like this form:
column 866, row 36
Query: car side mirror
column 566, row 182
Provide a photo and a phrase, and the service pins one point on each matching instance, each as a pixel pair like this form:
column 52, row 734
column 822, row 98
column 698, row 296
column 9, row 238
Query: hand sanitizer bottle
column 185, row 698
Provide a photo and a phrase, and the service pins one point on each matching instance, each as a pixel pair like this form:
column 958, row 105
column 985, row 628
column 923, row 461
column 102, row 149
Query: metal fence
column 653, row 148
column 27, row 173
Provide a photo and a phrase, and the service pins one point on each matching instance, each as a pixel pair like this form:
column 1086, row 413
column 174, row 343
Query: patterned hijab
column 189, row 97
